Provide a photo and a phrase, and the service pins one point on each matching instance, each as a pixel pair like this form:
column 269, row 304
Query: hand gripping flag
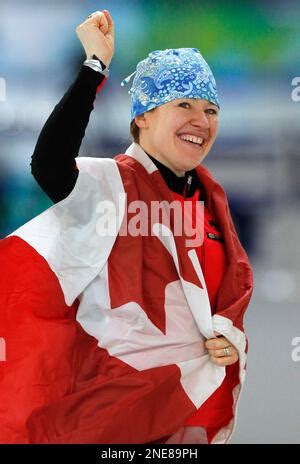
column 105, row 335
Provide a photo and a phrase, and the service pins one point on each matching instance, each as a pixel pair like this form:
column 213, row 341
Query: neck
column 163, row 161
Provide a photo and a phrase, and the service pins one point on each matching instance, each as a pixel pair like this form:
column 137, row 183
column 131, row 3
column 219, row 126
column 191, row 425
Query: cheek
column 172, row 123
column 214, row 130
column 215, row 127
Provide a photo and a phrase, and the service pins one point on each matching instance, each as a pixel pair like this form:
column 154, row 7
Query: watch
column 97, row 65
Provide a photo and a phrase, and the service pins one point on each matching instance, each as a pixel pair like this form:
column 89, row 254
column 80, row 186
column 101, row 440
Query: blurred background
column 253, row 48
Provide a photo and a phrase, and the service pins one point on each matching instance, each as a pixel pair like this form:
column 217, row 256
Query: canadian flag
column 105, row 336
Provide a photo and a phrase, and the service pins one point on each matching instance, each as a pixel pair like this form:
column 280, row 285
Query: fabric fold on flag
column 105, row 334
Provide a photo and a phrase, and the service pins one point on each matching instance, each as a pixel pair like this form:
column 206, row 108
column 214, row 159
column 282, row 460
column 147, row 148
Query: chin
column 191, row 165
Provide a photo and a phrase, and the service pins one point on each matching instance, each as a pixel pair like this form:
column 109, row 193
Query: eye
column 184, row 103
column 211, row 111
column 208, row 110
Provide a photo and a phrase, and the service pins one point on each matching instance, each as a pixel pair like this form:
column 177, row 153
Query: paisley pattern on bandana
column 169, row 74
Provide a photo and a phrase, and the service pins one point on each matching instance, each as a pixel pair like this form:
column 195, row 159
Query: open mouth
column 195, row 142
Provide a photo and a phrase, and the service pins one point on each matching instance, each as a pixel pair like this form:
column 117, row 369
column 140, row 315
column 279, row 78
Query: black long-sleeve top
column 53, row 162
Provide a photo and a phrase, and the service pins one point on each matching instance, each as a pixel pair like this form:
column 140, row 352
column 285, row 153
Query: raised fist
column 96, row 34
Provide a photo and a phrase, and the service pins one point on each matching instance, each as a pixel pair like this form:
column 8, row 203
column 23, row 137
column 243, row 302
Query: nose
column 201, row 120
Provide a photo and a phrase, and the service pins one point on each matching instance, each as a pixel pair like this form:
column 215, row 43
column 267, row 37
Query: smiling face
column 163, row 130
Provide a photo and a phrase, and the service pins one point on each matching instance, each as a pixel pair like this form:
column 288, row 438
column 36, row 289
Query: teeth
column 192, row 138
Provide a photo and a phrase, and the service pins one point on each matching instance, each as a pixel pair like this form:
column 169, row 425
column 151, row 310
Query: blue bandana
column 169, row 74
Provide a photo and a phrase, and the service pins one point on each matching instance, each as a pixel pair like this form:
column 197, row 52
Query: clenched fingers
column 225, row 360
column 217, row 343
column 98, row 18
column 221, row 351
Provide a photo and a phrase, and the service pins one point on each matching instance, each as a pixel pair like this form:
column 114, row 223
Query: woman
column 166, row 312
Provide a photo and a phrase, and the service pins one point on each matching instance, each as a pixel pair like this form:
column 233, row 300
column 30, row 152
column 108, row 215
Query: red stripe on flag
column 101, row 84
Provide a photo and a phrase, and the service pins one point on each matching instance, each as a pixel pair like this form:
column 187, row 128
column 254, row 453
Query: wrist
column 98, row 65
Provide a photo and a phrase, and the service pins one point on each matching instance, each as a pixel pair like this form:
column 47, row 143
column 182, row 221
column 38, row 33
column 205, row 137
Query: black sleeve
column 53, row 162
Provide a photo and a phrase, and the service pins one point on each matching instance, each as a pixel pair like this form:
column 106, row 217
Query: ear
column 141, row 121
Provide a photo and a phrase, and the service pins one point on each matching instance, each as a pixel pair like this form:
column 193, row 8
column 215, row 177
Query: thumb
column 102, row 23
column 110, row 22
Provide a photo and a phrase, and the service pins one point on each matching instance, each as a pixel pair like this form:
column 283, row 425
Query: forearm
column 53, row 162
